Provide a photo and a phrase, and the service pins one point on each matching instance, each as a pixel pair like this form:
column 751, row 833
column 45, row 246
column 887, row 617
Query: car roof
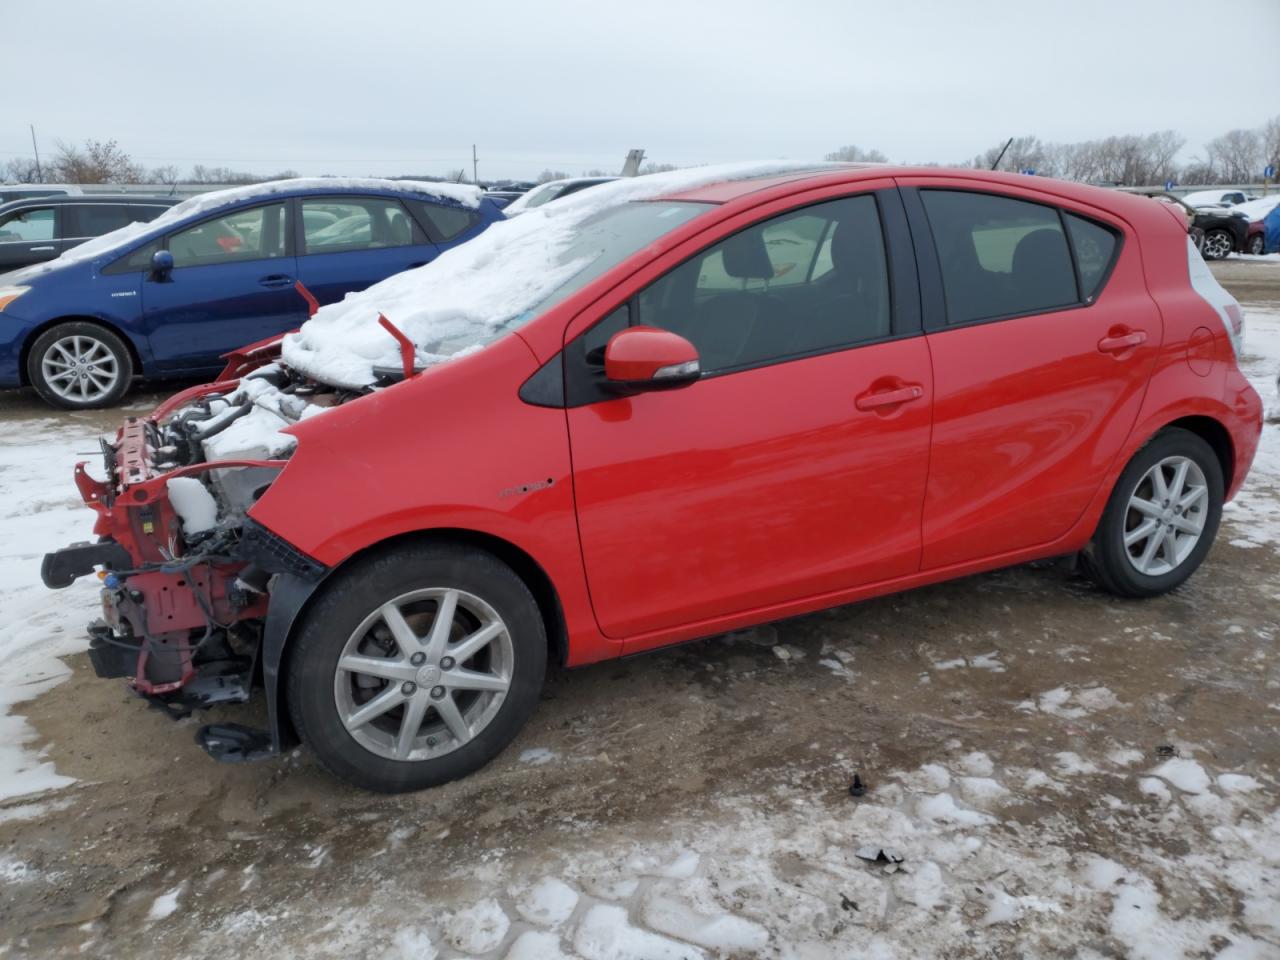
column 788, row 182
column 62, row 199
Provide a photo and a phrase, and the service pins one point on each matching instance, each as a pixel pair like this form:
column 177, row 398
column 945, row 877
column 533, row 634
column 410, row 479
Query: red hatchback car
column 742, row 400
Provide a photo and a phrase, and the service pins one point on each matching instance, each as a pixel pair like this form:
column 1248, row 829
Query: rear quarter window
column 1095, row 249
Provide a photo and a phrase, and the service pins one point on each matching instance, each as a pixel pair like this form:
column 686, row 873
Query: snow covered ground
column 1061, row 774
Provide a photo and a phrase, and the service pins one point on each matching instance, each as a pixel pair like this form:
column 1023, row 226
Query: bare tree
column 21, row 170
column 1237, row 155
column 1270, row 134
column 855, row 154
column 167, row 174
column 549, row 174
column 98, row 161
column 456, row 176
column 202, row 174
column 657, row 168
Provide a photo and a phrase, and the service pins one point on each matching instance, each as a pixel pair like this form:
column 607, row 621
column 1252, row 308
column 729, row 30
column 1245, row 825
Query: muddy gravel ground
column 1062, row 774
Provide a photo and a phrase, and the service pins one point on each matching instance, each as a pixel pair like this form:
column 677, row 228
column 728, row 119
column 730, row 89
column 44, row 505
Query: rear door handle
column 1122, row 342
column 888, row 398
column 277, row 280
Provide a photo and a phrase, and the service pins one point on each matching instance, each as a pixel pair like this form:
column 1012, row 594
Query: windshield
column 475, row 293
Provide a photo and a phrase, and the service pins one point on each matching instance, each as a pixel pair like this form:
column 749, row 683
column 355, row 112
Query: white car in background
column 1216, row 198
column 551, row 190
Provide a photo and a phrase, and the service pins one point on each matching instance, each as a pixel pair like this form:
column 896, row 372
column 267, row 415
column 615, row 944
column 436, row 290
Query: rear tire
column 394, row 696
column 1161, row 519
column 1218, row 245
column 1257, row 243
column 79, row 366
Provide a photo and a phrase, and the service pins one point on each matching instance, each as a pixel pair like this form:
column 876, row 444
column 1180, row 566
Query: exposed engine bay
column 186, row 574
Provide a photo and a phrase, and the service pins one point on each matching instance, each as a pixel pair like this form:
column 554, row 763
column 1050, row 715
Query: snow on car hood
column 473, row 293
column 1256, row 209
column 461, row 193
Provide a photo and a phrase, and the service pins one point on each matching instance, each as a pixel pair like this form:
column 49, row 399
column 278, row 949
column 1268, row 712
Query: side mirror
column 646, row 358
column 161, row 264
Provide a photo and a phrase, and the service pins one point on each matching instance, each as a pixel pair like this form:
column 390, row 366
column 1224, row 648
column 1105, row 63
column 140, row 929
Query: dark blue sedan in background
column 214, row 273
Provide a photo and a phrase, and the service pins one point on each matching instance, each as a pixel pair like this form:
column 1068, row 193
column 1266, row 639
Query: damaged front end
column 192, row 588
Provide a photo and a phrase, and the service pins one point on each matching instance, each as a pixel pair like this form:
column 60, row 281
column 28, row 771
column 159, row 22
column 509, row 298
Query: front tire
column 1161, row 519
column 1257, row 243
column 79, row 366
column 416, row 667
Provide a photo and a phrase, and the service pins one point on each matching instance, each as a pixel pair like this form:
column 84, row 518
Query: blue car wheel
column 80, row 366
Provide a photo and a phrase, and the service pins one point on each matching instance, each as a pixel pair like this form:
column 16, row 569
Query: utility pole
column 39, row 175
column 475, row 165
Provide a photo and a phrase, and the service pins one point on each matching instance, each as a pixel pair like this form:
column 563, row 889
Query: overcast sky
column 398, row 86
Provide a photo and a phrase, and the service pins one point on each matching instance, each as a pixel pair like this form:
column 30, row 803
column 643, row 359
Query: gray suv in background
column 41, row 228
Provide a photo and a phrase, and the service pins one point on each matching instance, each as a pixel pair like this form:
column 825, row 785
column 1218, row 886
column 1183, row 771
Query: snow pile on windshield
column 472, row 293
column 461, row 193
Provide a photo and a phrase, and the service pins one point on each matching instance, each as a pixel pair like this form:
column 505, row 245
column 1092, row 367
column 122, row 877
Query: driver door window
column 806, row 282
column 254, row 234
column 28, row 226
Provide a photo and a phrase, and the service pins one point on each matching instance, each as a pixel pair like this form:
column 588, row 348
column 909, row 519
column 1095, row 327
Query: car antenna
column 1002, row 153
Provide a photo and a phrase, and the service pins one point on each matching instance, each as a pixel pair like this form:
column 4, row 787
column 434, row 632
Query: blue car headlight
column 10, row 294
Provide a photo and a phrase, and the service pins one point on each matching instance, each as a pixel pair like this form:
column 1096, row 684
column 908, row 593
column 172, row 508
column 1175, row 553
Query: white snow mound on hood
column 471, row 293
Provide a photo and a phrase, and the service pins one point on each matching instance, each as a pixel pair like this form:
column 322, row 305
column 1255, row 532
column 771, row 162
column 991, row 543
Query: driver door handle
column 872, row 400
column 277, row 280
column 1122, row 342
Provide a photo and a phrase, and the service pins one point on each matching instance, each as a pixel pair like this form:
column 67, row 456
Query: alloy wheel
column 80, row 368
column 424, row 674
column 1166, row 516
column 1217, row 245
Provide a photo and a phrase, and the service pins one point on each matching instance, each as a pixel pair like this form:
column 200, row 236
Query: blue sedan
column 216, row 272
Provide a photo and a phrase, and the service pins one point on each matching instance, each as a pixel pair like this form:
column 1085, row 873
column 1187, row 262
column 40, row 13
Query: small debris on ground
column 874, row 854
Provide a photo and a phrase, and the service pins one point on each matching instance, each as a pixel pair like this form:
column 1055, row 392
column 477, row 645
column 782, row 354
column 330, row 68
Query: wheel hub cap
column 1166, row 516
column 398, row 701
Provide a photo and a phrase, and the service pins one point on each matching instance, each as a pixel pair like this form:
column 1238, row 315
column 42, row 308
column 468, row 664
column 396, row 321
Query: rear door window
column 998, row 256
column 94, row 219
column 337, row 225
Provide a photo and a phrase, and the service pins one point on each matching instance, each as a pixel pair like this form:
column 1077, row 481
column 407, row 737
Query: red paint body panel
column 750, row 489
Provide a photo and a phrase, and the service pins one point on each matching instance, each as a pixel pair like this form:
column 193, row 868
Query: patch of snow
column 193, row 503
column 411, row 943
column 1238, row 783
column 1184, row 773
column 1099, row 873
column 536, row 945
column 1071, row 764
column 537, row 756
column 548, row 902
column 605, row 933
column 720, row 932
column 478, row 928
column 13, row 870
column 165, row 904
column 1068, row 704
column 1125, row 757
column 1155, row 787
column 942, row 808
